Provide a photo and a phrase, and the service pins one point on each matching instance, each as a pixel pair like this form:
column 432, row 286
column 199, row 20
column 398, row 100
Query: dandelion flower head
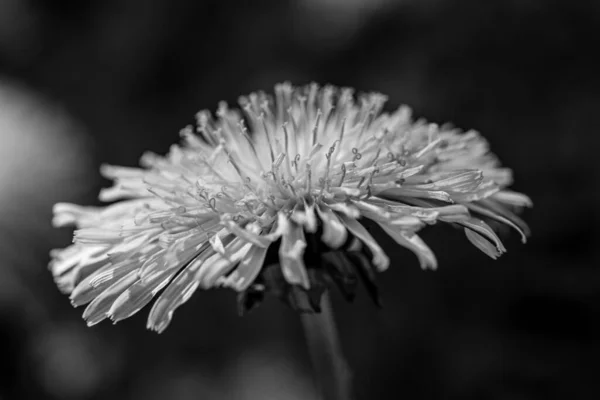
column 272, row 199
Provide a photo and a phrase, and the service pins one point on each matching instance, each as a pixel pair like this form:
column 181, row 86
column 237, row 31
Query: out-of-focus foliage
column 131, row 73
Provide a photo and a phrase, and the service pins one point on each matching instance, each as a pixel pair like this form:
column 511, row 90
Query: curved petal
column 306, row 218
column 97, row 310
column 220, row 264
column 488, row 213
column 334, row 232
column 250, row 235
column 177, row 293
column 482, row 244
column 247, row 270
column 513, row 198
column 412, row 242
column 93, row 285
column 139, row 295
column 499, row 209
column 291, row 254
column 346, row 209
column 380, row 260
column 484, row 229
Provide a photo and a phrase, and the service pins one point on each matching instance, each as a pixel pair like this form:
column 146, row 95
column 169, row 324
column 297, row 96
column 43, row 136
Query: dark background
column 86, row 82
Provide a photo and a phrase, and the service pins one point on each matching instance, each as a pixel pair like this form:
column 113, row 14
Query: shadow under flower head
column 269, row 200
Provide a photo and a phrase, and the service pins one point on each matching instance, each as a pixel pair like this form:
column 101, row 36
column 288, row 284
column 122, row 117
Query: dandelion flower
column 270, row 199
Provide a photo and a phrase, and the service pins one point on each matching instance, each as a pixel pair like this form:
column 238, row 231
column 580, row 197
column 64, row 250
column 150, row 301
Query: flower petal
column 398, row 193
column 513, row 198
column 139, row 295
column 346, row 209
column 380, row 259
column 177, row 255
column 177, row 293
column 334, row 232
column 291, row 254
column 250, row 235
column 488, row 213
column 484, row 229
column 370, row 210
column 66, row 263
column 97, row 236
column 67, row 214
column 247, row 270
column 449, row 213
column 499, row 209
column 414, row 243
column 485, row 189
column 97, row 310
column 452, row 180
column 482, row 244
column 306, row 218
column 94, row 284
column 220, row 264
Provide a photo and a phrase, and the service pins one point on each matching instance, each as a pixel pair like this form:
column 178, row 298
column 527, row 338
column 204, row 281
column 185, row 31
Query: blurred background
column 83, row 83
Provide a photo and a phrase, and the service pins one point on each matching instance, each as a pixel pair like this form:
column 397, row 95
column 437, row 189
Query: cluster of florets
column 271, row 199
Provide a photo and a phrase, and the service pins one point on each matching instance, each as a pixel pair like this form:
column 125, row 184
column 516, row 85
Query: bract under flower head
column 270, row 199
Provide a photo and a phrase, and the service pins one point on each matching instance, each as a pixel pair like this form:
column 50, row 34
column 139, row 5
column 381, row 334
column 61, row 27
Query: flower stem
column 332, row 373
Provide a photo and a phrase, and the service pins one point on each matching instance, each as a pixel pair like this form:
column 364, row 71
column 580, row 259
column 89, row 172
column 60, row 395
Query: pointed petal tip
column 413, row 242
